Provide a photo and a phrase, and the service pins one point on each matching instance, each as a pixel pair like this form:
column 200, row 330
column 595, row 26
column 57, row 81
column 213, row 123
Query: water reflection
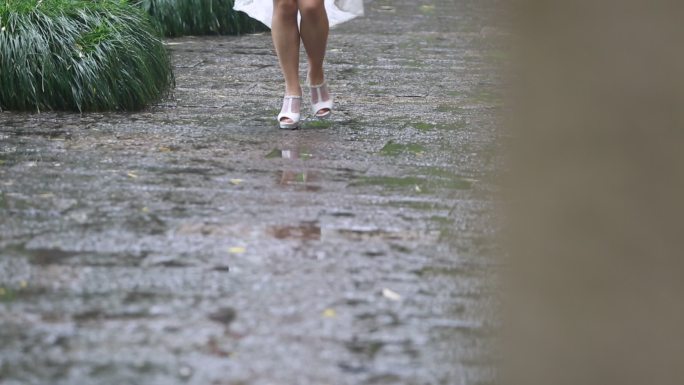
column 302, row 179
column 301, row 153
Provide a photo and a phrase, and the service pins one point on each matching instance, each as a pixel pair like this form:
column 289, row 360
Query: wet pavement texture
column 196, row 243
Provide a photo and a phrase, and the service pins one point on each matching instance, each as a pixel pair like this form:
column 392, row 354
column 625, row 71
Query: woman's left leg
column 314, row 33
column 314, row 30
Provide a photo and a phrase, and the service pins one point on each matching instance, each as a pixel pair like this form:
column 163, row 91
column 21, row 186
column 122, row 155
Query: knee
column 285, row 7
column 311, row 8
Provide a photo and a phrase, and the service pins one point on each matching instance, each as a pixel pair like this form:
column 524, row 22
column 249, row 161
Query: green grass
column 422, row 126
column 394, row 149
column 84, row 55
column 198, row 17
column 319, row 123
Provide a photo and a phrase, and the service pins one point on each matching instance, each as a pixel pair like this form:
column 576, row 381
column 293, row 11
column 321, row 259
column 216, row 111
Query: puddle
column 361, row 234
column 417, row 184
column 312, row 231
column 48, row 134
column 301, row 153
column 418, row 205
column 366, row 348
column 205, row 171
column 306, row 231
column 431, row 272
column 47, row 256
column 300, row 180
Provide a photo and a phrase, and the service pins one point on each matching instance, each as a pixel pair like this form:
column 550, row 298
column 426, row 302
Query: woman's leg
column 314, row 33
column 286, row 42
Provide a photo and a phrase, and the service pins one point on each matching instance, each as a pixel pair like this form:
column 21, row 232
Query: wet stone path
column 195, row 243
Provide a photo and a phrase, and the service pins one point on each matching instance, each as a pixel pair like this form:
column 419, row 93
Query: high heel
column 291, row 110
column 321, row 100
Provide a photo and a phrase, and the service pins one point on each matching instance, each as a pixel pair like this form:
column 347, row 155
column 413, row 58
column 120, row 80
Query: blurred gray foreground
column 597, row 262
column 196, row 243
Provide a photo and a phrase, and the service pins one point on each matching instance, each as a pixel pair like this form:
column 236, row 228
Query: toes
column 323, row 112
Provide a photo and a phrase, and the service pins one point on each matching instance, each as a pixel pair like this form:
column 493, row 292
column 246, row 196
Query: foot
column 321, row 100
column 288, row 118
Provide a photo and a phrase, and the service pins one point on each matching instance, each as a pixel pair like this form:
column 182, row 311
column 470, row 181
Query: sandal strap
column 287, row 110
column 291, row 99
column 319, row 91
column 317, row 102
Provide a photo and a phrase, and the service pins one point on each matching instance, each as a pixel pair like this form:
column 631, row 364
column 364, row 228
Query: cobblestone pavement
column 196, row 243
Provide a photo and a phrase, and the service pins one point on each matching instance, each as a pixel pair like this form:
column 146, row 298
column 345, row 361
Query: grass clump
column 199, row 17
column 394, row 149
column 85, row 55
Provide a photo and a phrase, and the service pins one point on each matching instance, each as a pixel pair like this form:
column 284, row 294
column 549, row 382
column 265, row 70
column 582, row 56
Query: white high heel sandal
column 291, row 110
column 321, row 100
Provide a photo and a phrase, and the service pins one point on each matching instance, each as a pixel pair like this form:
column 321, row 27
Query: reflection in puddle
column 303, row 179
column 299, row 153
column 307, row 231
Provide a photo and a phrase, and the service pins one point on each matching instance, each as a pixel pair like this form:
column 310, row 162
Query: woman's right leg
column 285, row 33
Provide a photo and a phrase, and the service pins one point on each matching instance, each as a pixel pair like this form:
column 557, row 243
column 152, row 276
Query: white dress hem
column 339, row 11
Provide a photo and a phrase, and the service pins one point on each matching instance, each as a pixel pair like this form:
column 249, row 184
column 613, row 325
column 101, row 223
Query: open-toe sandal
column 289, row 115
column 321, row 101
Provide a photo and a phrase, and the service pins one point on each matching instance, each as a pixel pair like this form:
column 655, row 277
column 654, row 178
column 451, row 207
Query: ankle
column 316, row 78
column 293, row 90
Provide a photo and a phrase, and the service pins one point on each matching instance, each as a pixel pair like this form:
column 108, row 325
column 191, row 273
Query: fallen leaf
column 23, row 284
column 418, row 189
column 391, row 295
column 236, row 181
column 145, row 210
column 132, row 175
column 329, row 313
column 237, row 250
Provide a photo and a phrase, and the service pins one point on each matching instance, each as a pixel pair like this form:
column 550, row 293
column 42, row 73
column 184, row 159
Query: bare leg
column 314, row 33
column 286, row 39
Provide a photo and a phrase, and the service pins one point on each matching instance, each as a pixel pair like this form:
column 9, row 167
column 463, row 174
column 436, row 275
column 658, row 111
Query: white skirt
column 338, row 11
